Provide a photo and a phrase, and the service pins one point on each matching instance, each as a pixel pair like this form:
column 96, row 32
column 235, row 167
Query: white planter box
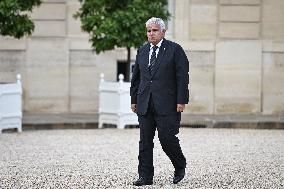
column 114, row 104
column 11, row 105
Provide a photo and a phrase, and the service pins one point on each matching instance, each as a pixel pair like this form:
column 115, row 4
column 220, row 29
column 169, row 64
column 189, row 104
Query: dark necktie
column 153, row 59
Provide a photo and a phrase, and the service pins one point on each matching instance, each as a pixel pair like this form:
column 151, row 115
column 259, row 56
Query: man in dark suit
column 159, row 92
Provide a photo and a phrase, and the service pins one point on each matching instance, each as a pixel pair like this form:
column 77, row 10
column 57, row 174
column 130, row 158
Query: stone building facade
column 235, row 48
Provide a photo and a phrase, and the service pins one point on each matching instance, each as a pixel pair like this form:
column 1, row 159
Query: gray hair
column 157, row 21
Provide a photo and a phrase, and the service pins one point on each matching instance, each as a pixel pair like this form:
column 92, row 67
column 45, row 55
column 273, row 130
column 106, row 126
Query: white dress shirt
column 157, row 51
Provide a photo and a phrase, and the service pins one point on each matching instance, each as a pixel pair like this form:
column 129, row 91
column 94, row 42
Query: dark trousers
column 168, row 127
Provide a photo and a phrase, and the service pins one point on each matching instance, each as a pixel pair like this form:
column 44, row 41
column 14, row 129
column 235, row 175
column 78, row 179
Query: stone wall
column 235, row 48
column 236, row 53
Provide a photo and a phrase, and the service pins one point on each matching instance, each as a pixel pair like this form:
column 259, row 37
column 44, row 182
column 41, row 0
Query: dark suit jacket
column 168, row 84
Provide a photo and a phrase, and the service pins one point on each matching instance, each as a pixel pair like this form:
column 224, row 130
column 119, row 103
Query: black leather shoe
column 179, row 175
column 142, row 181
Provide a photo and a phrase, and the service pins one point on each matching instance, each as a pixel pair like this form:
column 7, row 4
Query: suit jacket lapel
column 145, row 59
column 161, row 55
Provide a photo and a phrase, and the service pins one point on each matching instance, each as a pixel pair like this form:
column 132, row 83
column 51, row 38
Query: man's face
column 154, row 34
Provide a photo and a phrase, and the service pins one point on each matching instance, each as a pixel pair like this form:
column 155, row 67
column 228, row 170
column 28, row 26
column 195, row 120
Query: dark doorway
column 123, row 68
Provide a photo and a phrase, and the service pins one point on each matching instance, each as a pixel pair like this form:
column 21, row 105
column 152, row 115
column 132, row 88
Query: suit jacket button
column 151, row 81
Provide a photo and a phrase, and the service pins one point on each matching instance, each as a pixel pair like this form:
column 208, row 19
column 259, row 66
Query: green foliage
column 118, row 23
column 14, row 18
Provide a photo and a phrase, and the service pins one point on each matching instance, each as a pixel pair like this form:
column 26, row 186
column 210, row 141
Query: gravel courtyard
column 107, row 158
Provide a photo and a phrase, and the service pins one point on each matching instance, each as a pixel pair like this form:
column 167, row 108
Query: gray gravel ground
column 107, row 158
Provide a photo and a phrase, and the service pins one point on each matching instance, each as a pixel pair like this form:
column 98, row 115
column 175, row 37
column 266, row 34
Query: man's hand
column 133, row 107
column 180, row 107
